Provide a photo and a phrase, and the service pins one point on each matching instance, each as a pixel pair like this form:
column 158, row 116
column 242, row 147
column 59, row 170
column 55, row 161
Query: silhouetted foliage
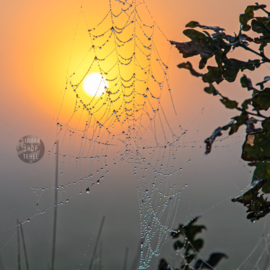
column 257, row 206
column 218, row 44
column 191, row 246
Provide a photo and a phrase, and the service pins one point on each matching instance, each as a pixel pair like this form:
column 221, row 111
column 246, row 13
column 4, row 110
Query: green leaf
column 262, row 172
column 189, row 258
column 195, row 35
column 230, row 74
column 261, row 100
column 244, row 18
column 163, row 265
column 192, row 24
column 266, row 124
column 188, row 232
column 265, row 21
column 215, row 258
column 257, row 146
column 259, row 27
column 237, row 64
column 239, row 121
column 246, row 27
column 192, row 48
column 248, row 15
column 248, row 196
column 178, row 245
column 198, row 244
column 214, row 75
column 228, row 125
column 257, row 206
column 232, row 67
column 210, row 140
column 262, row 39
column 212, row 262
column 263, row 45
column 246, row 103
column 188, row 65
column 229, row 104
column 202, row 62
column 211, row 90
column 246, row 82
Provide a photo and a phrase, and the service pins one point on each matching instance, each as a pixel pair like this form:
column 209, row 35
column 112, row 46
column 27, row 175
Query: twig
column 96, row 244
column 259, row 54
column 243, row 110
column 24, row 248
column 251, row 113
column 55, row 204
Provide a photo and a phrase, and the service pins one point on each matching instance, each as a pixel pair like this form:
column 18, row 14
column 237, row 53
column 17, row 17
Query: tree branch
column 251, row 113
column 259, row 54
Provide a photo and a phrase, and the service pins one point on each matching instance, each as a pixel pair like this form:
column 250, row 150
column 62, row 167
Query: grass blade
column 18, row 245
column 96, row 244
column 55, row 204
column 125, row 260
column 24, row 247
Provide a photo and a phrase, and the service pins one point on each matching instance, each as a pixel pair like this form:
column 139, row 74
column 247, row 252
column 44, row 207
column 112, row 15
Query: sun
column 95, row 84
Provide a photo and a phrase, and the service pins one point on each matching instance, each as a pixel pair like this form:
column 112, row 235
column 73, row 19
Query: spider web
column 127, row 122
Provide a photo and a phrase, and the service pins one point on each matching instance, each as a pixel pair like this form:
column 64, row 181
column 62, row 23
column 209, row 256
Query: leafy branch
column 213, row 42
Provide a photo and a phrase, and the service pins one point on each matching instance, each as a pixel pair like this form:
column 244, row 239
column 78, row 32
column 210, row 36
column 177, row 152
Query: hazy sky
column 37, row 50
